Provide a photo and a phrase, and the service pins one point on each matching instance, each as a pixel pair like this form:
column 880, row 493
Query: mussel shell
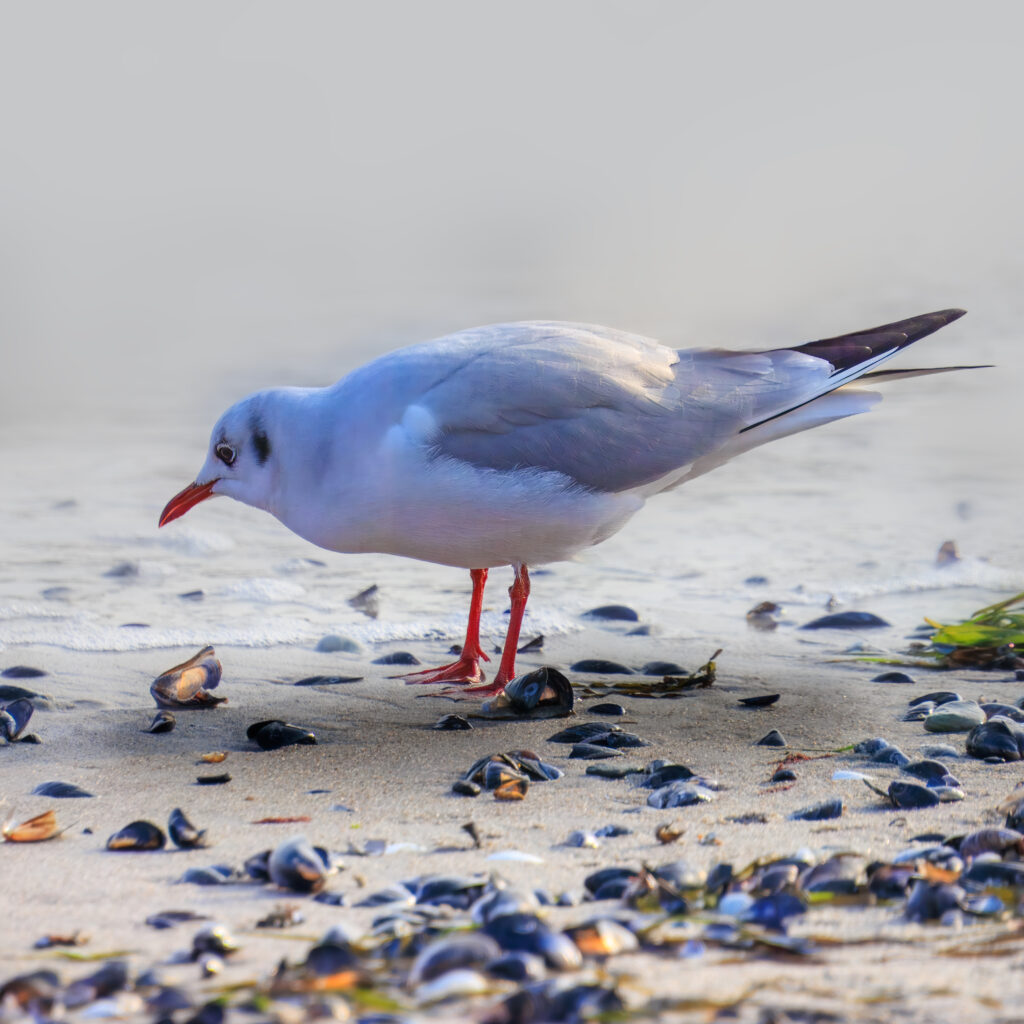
column 991, row 840
column 138, row 835
column 182, row 832
column 819, row 812
column 997, row 737
column 60, row 790
column 583, row 732
column 543, row 693
column 928, row 901
column 453, row 952
column 187, row 685
column 163, row 721
column 15, row 717
column 527, row 933
column 297, row 866
column 910, row 796
column 274, row 734
column 213, row 938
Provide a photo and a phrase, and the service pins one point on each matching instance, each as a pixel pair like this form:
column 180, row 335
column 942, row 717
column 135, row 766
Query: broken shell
column 163, row 721
column 35, row 830
column 274, row 734
column 182, row 832
column 543, row 693
column 296, row 865
column 187, row 685
column 213, row 938
column 13, row 719
column 138, row 835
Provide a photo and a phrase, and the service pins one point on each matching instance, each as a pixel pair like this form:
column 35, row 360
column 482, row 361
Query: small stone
column 612, row 613
column 333, row 644
column 771, row 739
column 955, row 716
column 784, row 775
column 465, row 788
column 892, row 677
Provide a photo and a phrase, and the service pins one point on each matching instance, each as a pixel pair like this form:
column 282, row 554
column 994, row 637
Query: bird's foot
column 465, row 670
column 471, row 692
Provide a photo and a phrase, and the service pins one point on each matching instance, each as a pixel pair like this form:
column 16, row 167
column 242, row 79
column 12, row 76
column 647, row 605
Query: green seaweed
column 990, row 638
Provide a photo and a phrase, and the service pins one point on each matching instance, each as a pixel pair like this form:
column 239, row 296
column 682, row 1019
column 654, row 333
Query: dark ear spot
column 261, row 443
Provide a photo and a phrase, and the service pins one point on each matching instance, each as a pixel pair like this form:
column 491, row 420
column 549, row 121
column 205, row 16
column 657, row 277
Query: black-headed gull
column 520, row 444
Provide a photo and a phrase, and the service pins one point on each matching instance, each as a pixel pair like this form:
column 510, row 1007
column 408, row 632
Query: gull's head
column 240, row 461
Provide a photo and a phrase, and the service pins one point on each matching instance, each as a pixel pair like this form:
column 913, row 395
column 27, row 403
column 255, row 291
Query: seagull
column 522, row 443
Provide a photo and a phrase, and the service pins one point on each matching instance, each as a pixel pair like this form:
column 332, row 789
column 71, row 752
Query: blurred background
column 203, row 198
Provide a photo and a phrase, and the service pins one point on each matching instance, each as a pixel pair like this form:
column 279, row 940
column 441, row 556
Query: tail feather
column 854, row 356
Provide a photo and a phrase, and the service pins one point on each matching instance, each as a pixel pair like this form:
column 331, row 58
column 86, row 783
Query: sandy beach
column 380, row 772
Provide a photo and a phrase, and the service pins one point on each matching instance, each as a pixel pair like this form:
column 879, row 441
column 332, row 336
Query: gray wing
column 613, row 411
column 609, row 410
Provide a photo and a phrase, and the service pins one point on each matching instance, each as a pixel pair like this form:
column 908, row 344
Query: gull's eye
column 225, row 453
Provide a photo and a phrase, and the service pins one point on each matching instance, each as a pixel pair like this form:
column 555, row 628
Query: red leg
column 467, row 668
column 519, row 592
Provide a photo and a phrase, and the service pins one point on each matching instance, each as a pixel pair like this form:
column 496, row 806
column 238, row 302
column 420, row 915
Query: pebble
column 583, row 839
column 784, row 775
column 612, row 613
column 397, row 658
column 955, row 716
column 771, row 739
column 847, row 620
column 598, row 666
column 334, row 644
column 609, row 708
column 892, row 677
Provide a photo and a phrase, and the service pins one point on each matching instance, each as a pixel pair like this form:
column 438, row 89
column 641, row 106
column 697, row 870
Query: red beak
column 184, row 500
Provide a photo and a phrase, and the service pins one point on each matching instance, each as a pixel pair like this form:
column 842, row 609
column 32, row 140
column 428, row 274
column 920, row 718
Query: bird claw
column 462, row 671
column 470, row 692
